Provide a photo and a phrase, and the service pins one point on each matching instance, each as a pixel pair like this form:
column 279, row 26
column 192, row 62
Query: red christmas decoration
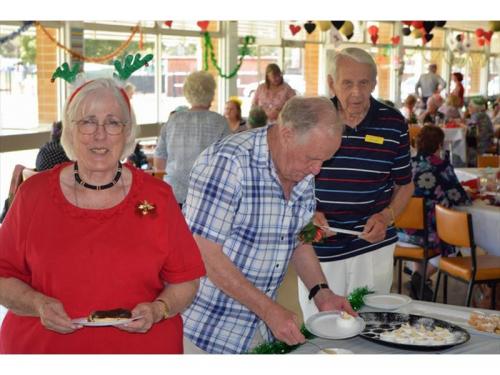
column 203, row 25
column 488, row 35
column 395, row 40
column 479, row 32
column 168, row 23
column 417, row 24
column 374, row 38
column 373, row 30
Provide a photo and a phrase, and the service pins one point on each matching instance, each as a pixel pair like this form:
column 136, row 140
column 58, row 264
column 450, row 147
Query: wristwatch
column 315, row 289
column 166, row 308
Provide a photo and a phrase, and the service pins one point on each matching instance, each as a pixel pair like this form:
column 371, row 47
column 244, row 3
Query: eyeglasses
column 89, row 126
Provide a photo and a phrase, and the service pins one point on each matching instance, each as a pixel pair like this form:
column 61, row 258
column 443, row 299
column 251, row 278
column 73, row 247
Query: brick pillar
column 311, row 64
column 46, row 62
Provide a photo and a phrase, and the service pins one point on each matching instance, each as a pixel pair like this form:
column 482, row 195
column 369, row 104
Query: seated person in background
column 431, row 114
column 138, row 158
column 257, row 118
column 232, row 113
column 408, row 109
column 451, row 108
column 51, row 153
column 435, row 180
column 479, row 130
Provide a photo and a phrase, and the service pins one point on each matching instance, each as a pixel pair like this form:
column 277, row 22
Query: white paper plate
column 324, row 324
column 334, row 351
column 386, row 301
column 117, row 322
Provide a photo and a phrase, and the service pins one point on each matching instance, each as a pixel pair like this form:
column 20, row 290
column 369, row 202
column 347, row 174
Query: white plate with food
column 334, row 351
column 116, row 322
column 101, row 318
column 391, row 301
column 334, row 325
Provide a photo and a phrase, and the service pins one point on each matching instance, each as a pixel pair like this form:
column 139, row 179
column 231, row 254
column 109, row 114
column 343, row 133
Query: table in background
column 479, row 343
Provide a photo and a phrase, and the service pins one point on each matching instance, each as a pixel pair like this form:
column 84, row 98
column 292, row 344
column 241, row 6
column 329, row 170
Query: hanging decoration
column 294, row 29
column 494, row 25
column 203, row 25
column 168, row 23
column 347, row 29
column 395, row 40
column 427, row 38
column 428, row 26
column 310, row 27
column 324, row 25
column 338, row 24
column 440, row 23
column 373, row 31
column 81, row 57
column 406, row 31
column 25, row 26
column 209, row 49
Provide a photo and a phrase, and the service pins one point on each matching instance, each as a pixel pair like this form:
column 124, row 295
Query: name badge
column 374, row 139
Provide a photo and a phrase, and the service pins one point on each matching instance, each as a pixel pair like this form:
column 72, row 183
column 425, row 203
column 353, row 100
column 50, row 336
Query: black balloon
column 349, row 36
column 337, row 24
column 406, row 31
column 440, row 23
column 428, row 26
column 428, row 37
column 310, row 27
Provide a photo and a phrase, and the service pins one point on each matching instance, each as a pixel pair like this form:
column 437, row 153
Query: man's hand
column 375, row 228
column 284, row 325
column 319, row 220
column 326, row 300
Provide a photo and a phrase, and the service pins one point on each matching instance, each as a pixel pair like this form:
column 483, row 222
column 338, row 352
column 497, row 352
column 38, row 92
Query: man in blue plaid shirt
column 249, row 197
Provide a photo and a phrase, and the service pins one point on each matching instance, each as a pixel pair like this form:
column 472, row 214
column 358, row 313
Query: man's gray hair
column 304, row 114
column 199, row 88
column 357, row 54
column 74, row 111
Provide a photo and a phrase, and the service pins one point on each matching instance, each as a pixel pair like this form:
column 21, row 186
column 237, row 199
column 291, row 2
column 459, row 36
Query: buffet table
column 479, row 343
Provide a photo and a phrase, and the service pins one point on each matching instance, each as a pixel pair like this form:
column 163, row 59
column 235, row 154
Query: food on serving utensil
column 419, row 335
column 345, row 320
column 485, row 322
column 109, row 315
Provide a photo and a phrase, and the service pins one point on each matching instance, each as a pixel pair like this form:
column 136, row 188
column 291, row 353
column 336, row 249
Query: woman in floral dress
column 436, row 182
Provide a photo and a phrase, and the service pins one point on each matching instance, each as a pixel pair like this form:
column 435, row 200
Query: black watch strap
column 315, row 289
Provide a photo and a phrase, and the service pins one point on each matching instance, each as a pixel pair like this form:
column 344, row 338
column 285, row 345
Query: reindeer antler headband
column 125, row 70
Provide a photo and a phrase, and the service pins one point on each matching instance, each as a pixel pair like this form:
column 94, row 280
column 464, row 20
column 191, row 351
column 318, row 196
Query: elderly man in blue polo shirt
column 366, row 184
column 249, row 196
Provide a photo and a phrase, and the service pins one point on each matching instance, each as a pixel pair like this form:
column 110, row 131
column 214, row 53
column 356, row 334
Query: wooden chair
column 158, row 174
column 455, row 228
column 413, row 132
column 484, row 161
column 413, row 217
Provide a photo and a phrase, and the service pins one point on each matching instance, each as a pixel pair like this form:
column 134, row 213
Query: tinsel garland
column 279, row 347
column 26, row 25
column 209, row 49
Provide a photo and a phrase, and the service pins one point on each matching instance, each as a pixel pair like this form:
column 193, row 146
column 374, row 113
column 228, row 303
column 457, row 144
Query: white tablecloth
column 454, row 141
column 478, row 343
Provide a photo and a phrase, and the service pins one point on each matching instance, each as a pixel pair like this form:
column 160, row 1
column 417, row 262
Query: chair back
column 454, row 227
column 413, row 216
column 484, row 161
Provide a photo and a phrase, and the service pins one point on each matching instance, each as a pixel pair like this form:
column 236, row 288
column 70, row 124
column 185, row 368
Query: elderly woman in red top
column 115, row 239
column 272, row 95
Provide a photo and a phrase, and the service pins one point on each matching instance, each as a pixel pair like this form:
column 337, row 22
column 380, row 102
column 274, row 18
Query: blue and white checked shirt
column 235, row 199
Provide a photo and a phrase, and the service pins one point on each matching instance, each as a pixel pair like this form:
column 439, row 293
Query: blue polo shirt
column 359, row 180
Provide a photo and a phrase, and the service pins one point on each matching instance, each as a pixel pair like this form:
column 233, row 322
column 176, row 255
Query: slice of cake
column 109, row 315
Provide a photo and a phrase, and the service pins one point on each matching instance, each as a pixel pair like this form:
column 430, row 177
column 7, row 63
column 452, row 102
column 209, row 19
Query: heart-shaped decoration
column 203, row 25
column 428, row 37
column 337, row 24
column 373, row 30
column 168, row 23
column 428, row 26
column 481, row 42
column 479, row 32
column 417, row 24
column 310, row 27
column 488, row 35
column 349, row 36
column 395, row 40
column 374, row 38
column 406, row 31
column 295, row 29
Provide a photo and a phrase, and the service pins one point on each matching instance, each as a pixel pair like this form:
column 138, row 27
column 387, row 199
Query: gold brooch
column 145, row 208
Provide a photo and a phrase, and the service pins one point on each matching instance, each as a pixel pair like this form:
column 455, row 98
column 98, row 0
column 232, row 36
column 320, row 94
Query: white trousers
column 373, row 269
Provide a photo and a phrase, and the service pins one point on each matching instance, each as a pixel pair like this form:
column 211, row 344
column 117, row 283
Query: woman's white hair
column 199, row 88
column 73, row 111
column 357, row 54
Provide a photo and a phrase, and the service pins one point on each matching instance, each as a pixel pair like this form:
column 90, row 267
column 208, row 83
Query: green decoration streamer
column 209, row 49
column 279, row 347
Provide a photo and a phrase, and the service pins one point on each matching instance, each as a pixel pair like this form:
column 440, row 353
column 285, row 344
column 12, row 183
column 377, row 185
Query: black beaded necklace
column 79, row 180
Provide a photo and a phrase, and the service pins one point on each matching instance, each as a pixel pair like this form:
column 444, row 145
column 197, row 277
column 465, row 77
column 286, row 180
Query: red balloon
column 374, row 38
column 373, row 30
column 479, row 32
column 488, row 35
column 481, row 42
column 417, row 24
column 395, row 40
column 203, row 25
